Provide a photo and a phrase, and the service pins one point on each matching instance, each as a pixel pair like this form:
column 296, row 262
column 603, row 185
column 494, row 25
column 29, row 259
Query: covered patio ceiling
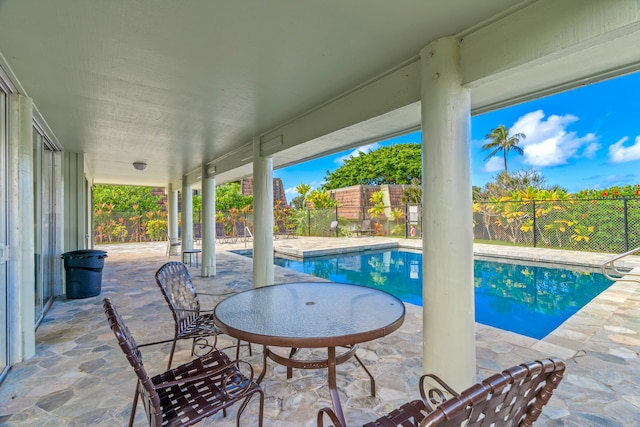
column 179, row 84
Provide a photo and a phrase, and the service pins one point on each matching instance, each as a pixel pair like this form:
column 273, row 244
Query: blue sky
column 587, row 138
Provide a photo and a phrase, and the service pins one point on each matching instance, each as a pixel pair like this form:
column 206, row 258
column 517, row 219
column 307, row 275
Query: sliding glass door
column 4, row 321
column 46, row 259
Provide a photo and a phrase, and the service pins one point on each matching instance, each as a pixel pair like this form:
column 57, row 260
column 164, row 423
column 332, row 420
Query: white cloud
column 548, row 143
column 357, row 152
column 496, row 163
column 591, row 149
column 618, row 153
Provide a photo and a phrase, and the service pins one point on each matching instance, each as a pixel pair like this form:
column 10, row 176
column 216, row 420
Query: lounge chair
column 197, row 233
column 365, row 228
column 242, row 231
column 333, row 228
column 285, row 230
column 514, row 397
column 192, row 391
column 221, row 234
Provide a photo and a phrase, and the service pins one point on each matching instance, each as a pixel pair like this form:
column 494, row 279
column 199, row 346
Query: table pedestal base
column 329, row 363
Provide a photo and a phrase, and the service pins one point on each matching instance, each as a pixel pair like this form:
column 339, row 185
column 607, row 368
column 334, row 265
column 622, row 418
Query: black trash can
column 83, row 272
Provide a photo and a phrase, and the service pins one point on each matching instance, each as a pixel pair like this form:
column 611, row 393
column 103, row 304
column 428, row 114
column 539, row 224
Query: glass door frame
column 5, row 336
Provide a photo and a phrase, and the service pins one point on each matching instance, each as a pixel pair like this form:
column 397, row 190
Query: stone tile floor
column 80, row 377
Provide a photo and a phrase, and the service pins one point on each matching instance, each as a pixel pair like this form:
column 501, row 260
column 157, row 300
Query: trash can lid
column 85, row 253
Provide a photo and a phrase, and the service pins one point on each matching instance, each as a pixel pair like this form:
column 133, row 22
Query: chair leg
column 173, row 348
column 135, row 403
column 193, row 347
column 246, row 402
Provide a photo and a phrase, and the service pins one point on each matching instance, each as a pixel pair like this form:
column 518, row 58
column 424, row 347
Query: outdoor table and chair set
column 308, row 315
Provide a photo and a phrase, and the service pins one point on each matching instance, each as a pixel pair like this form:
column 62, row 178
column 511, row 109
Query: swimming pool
column 530, row 300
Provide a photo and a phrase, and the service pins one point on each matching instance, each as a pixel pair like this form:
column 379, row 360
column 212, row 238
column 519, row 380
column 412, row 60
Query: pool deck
column 80, row 377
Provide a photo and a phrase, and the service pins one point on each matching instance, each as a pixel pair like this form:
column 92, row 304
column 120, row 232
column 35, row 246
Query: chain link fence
column 397, row 221
column 124, row 227
column 596, row 225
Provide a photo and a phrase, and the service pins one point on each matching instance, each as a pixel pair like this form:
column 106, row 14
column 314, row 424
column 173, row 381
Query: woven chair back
column 177, row 288
column 514, row 397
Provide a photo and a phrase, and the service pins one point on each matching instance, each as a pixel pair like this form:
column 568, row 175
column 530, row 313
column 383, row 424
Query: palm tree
column 501, row 141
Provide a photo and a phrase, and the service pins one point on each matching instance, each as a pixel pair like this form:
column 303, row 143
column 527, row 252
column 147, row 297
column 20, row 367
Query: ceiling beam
column 547, row 47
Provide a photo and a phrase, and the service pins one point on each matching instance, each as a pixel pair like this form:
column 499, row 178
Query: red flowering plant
column 615, row 192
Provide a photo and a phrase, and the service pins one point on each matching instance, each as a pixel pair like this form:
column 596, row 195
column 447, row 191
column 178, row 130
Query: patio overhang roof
column 179, row 85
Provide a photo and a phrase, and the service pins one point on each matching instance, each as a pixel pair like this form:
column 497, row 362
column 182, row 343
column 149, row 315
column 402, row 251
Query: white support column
column 448, row 296
column 21, row 271
column 187, row 215
column 208, row 224
column 172, row 201
column 262, row 217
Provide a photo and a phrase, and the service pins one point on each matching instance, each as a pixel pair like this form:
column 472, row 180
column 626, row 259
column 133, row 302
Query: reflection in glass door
column 37, row 206
column 44, row 232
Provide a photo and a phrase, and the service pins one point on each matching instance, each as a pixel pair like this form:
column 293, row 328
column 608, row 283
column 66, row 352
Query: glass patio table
column 311, row 315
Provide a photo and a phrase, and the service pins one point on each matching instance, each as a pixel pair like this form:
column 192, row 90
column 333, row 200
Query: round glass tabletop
column 310, row 314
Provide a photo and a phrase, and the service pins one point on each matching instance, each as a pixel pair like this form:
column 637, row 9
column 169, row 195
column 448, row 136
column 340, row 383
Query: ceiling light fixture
column 139, row 165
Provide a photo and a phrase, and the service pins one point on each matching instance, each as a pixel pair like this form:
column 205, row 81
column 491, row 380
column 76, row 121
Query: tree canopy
column 321, row 199
column 228, row 196
column 124, row 197
column 524, row 181
column 394, row 164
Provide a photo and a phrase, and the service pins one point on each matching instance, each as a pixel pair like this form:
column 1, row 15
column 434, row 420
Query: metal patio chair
column 172, row 247
column 191, row 392
column 190, row 321
column 514, row 397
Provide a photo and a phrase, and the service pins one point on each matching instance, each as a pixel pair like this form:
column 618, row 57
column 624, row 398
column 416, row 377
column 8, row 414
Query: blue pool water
column 528, row 300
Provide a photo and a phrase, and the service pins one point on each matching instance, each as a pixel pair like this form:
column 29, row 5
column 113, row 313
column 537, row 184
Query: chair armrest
column 434, row 395
column 234, row 388
column 217, row 295
column 192, row 311
column 203, row 313
column 230, row 385
column 163, row 341
column 332, row 416
column 199, row 376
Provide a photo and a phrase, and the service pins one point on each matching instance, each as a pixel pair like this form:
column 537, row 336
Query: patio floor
column 79, row 376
